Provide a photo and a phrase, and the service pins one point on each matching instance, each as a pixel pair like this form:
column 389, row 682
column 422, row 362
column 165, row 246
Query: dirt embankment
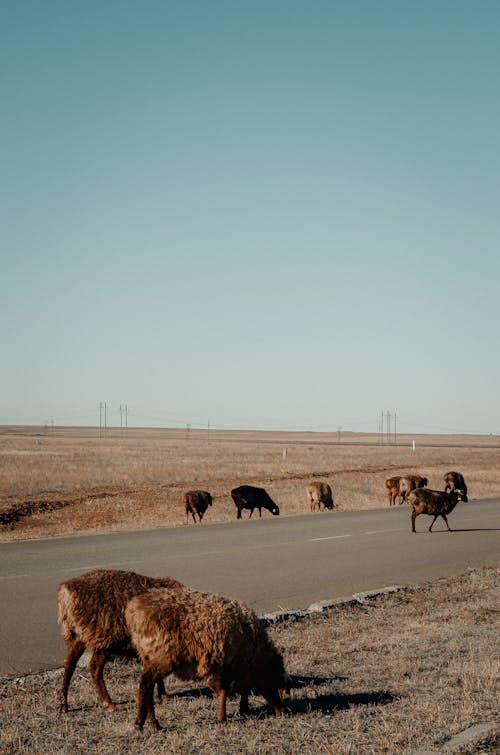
column 13, row 511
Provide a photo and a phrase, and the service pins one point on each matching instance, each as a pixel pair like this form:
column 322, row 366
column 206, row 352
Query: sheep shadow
column 296, row 683
column 330, row 704
column 473, row 529
column 326, row 704
column 442, row 531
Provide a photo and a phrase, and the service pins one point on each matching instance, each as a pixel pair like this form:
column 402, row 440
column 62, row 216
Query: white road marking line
column 14, row 576
column 370, row 532
column 376, row 532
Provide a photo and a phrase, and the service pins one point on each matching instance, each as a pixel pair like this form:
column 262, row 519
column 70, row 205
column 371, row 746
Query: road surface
column 271, row 563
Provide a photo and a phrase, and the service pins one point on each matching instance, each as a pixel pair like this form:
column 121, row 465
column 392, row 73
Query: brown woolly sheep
column 196, row 502
column 197, row 635
column 410, row 482
column 435, row 503
column 392, row 486
column 319, row 493
column 455, row 481
column 91, row 612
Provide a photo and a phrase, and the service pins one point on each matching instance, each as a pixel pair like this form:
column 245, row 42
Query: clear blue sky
column 270, row 214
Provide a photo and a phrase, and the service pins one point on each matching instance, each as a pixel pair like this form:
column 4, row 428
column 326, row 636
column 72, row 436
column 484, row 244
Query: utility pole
column 100, row 419
column 126, row 420
column 395, row 432
column 388, row 427
column 121, row 420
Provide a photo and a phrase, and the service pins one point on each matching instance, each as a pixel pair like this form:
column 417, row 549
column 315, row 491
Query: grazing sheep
column 91, row 612
column 434, row 503
column 455, row 481
column 408, row 483
column 319, row 493
column 196, row 502
column 392, row 486
column 248, row 497
column 197, row 635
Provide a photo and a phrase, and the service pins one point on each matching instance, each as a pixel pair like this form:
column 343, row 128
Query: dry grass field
column 70, row 480
column 393, row 675
column 396, row 674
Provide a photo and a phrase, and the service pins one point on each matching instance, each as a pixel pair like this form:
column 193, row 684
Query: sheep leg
column 221, row 693
column 151, row 717
column 435, row 517
column 274, row 701
column 162, row 692
column 145, row 701
column 413, row 517
column 75, row 651
column 96, row 667
column 244, row 706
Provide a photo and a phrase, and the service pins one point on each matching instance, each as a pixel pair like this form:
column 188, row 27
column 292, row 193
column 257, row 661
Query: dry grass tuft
column 401, row 673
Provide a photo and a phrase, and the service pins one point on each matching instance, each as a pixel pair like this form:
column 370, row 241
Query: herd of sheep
column 196, row 502
column 173, row 630
column 410, row 488
column 199, row 635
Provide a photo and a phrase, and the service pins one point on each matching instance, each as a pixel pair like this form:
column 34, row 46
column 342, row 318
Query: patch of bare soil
column 400, row 673
column 122, row 507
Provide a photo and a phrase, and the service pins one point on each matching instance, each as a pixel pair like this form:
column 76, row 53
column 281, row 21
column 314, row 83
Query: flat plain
column 66, row 480
column 397, row 674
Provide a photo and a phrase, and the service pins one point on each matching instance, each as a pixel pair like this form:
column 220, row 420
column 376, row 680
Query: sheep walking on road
column 434, row 503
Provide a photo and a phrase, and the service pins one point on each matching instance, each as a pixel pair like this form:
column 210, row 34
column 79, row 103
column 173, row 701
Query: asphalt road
column 271, row 563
